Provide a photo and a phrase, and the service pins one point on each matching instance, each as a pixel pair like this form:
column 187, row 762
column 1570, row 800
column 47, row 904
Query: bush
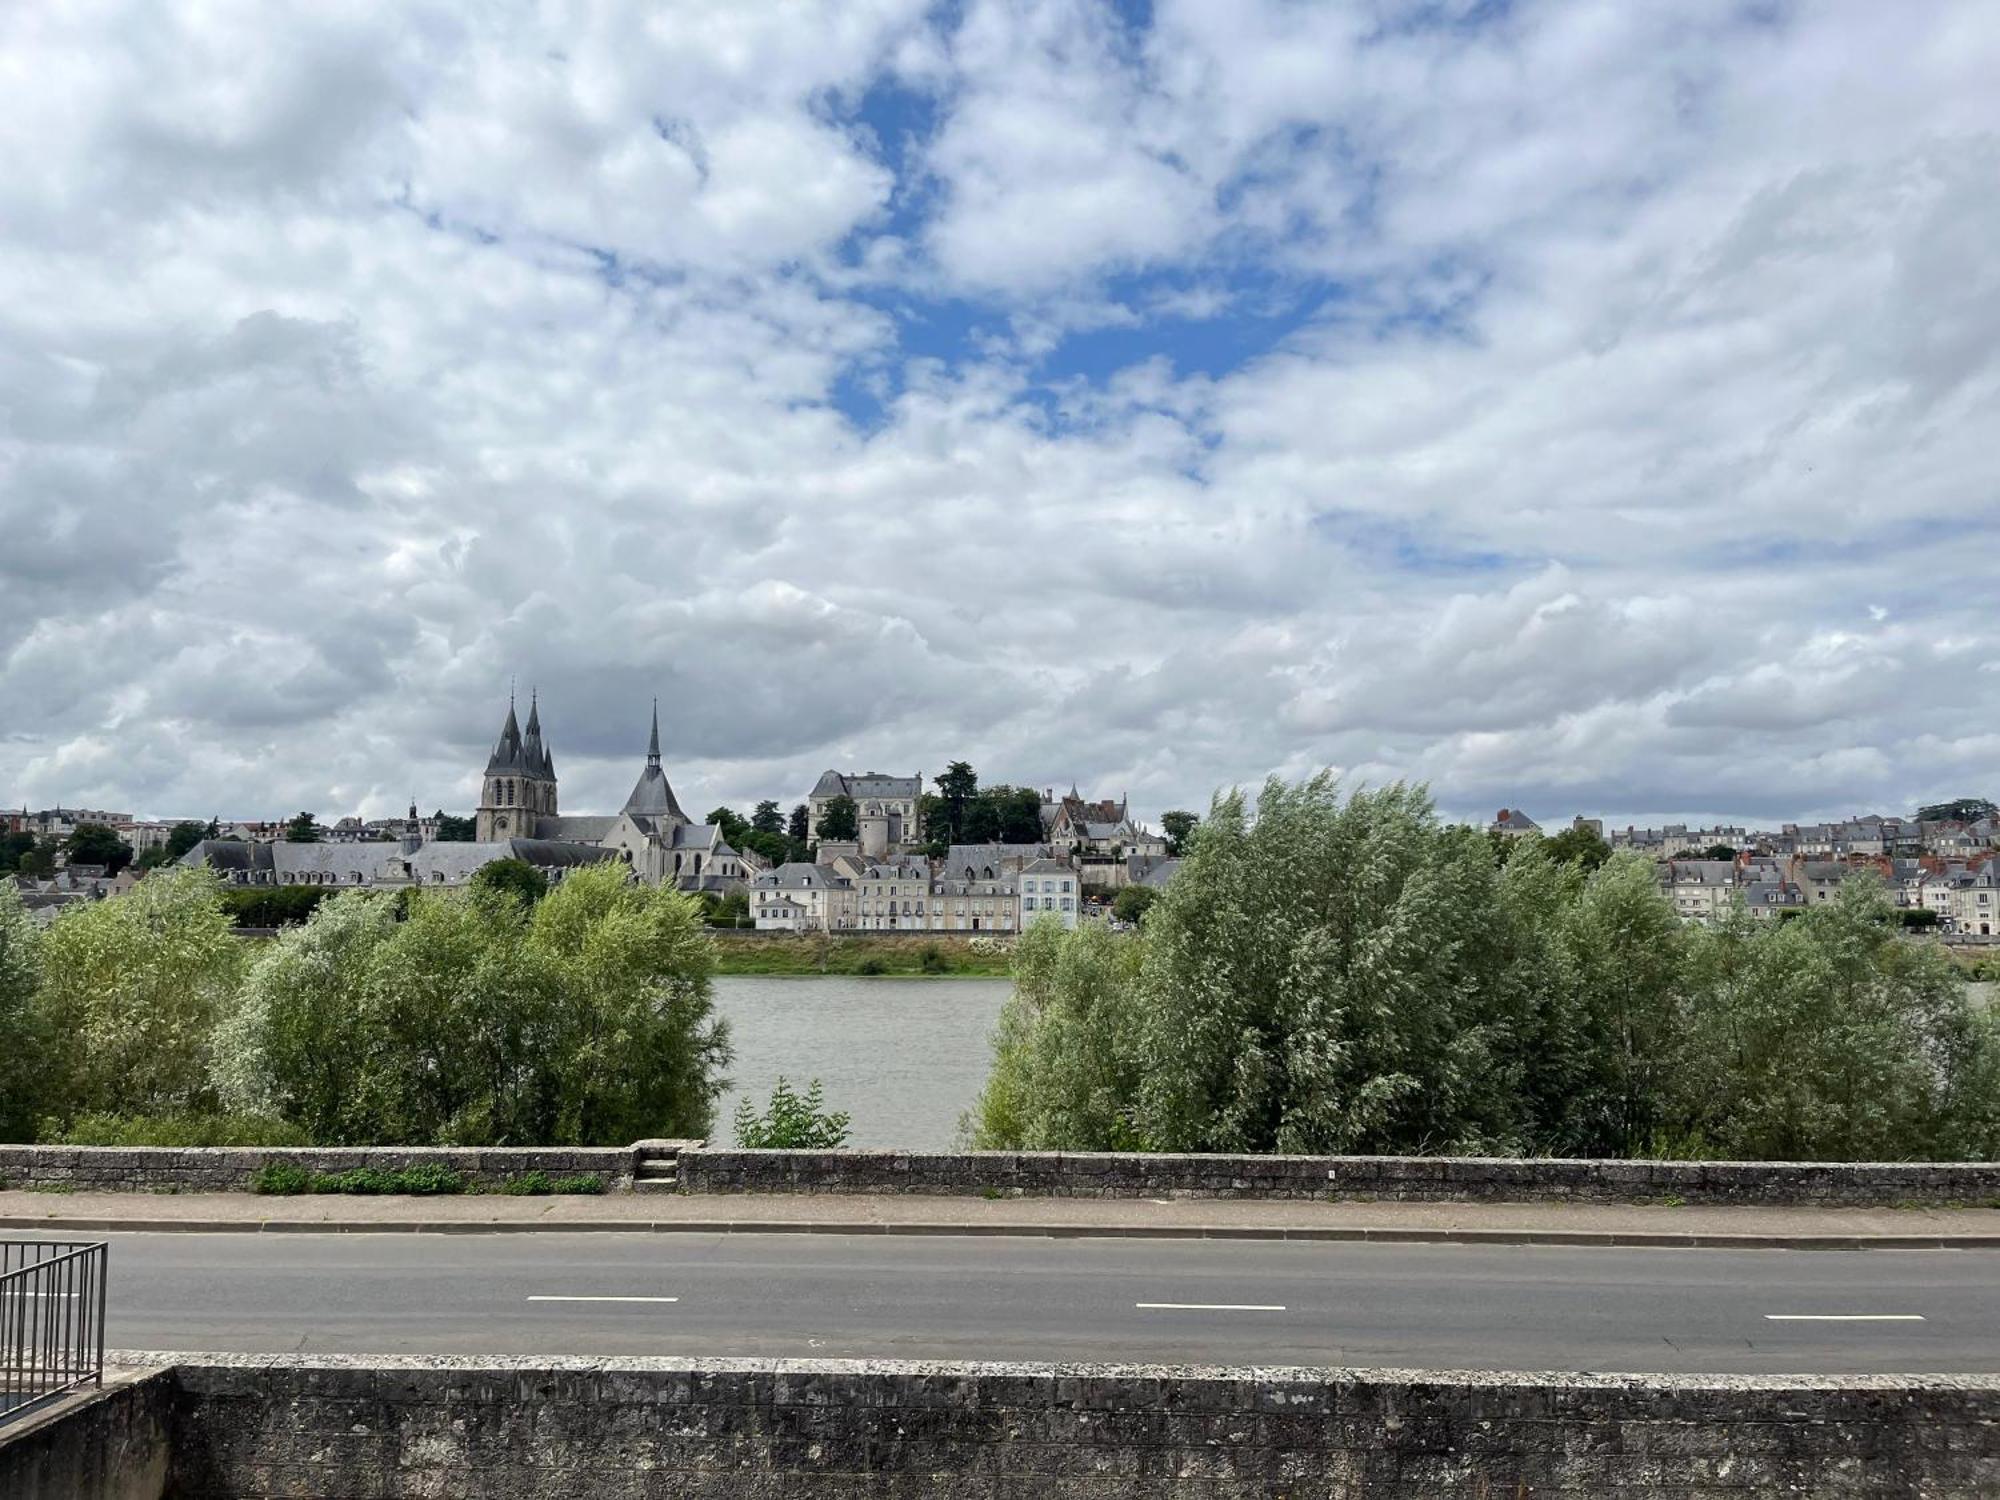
column 1132, row 903
column 516, row 877
column 793, row 1122
column 273, row 905
column 425, row 1180
column 1340, row 975
column 179, row 1130
column 871, row 966
column 587, row 1019
column 282, row 1179
column 25, row 1045
column 933, row 961
column 131, row 992
column 540, row 1184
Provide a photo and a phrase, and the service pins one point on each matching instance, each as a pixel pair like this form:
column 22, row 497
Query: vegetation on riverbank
column 862, row 955
column 1348, row 975
column 469, row 1017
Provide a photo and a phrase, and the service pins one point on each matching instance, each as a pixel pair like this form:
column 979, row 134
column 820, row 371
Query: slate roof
column 1150, row 869
column 576, row 828
column 799, row 876
column 858, row 784
column 972, row 861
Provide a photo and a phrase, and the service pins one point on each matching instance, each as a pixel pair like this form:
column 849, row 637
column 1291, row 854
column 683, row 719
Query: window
column 1027, row 903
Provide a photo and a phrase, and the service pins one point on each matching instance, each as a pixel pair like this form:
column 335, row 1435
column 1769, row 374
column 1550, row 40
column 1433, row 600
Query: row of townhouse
column 1964, row 894
column 908, row 895
column 1869, row 837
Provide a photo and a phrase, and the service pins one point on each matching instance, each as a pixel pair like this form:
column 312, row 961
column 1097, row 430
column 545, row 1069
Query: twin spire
column 522, row 753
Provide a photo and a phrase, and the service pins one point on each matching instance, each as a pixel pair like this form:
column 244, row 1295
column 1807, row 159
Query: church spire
column 653, row 745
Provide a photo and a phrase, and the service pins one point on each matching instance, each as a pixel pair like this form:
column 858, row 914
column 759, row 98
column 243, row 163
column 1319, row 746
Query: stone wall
column 1054, row 1174
column 1362, row 1178
column 260, row 1427
column 231, row 1169
column 110, row 1444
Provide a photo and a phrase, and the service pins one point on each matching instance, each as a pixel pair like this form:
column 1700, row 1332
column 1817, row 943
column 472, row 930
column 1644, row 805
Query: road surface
column 963, row 1297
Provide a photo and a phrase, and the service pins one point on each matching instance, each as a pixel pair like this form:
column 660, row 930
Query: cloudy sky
column 1575, row 405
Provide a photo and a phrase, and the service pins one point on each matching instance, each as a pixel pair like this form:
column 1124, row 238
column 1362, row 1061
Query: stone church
column 662, row 844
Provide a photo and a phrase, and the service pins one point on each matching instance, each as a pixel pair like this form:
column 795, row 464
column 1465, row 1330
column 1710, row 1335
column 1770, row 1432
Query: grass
column 286, row 1179
column 886, row 954
column 283, row 1179
column 540, row 1184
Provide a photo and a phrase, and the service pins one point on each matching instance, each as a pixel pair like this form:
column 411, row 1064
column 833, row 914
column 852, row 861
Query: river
column 904, row 1057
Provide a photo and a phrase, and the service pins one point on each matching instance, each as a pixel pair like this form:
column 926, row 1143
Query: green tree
column 768, row 819
column 1584, row 847
column 588, row 1020
column 183, row 837
column 731, row 909
column 24, row 1041
column 95, row 844
column 774, row 847
column 1963, row 810
column 132, row 989
column 792, row 1122
column 956, row 789
column 40, row 860
column 1132, row 903
column 454, row 830
column 1069, row 1049
column 1179, row 827
column 733, row 824
column 840, row 821
column 1832, row 1038
column 1719, row 851
column 13, row 844
column 799, row 826
column 519, row 879
column 302, row 828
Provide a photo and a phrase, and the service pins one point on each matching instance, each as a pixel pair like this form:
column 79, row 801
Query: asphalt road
column 1174, row 1301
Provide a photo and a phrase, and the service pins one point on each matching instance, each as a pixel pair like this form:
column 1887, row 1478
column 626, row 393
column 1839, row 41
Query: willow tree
column 586, row 1019
column 23, row 1038
column 132, row 989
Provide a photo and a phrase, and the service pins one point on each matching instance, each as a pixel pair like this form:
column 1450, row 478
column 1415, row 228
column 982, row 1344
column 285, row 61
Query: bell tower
column 519, row 787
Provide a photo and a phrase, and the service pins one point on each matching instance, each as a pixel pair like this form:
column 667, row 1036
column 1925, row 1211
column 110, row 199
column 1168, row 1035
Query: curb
column 1353, row 1234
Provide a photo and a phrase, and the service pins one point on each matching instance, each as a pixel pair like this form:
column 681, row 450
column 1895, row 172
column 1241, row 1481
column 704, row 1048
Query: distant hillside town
column 1942, row 865
column 869, row 851
column 861, row 851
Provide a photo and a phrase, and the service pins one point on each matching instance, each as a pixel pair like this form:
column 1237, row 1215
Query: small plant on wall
column 793, row 1122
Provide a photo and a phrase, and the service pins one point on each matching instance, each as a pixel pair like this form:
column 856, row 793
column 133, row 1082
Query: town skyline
column 594, row 782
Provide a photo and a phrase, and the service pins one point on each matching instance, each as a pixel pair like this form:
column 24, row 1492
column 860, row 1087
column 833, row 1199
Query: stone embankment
column 259, row 1427
column 691, row 1168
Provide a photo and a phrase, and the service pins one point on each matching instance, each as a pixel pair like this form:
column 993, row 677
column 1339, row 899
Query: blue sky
column 1577, row 406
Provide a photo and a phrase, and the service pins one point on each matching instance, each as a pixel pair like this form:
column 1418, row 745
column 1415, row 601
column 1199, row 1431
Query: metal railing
column 51, row 1320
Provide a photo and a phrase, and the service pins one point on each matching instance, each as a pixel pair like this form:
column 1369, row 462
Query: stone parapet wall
column 259, row 1427
column 1419, row 1179
column 1054, row 1174
column 110, row 1444
column 232, row 1169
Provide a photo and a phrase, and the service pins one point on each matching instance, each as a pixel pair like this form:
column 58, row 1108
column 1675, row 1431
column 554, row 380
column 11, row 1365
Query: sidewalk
column 855, row 1213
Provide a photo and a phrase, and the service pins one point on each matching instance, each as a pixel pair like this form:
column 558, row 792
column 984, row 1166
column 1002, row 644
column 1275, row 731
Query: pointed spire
column 653, row 745
column 507, row 754
column 534, row 754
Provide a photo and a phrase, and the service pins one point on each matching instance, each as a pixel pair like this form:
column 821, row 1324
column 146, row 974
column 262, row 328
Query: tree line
column 1346, row 974
column 474, row 1017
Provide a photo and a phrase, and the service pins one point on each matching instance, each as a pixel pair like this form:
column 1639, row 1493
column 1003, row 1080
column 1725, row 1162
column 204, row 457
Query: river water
column 904, row 1057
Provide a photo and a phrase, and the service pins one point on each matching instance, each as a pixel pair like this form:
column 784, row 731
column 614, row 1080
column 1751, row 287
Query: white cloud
column 1630, row 452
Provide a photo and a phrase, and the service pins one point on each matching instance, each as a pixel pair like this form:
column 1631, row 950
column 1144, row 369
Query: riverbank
column 863, row 955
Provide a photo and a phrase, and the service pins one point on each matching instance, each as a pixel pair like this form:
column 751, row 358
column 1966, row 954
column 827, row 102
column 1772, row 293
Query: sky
column 1577, row 406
